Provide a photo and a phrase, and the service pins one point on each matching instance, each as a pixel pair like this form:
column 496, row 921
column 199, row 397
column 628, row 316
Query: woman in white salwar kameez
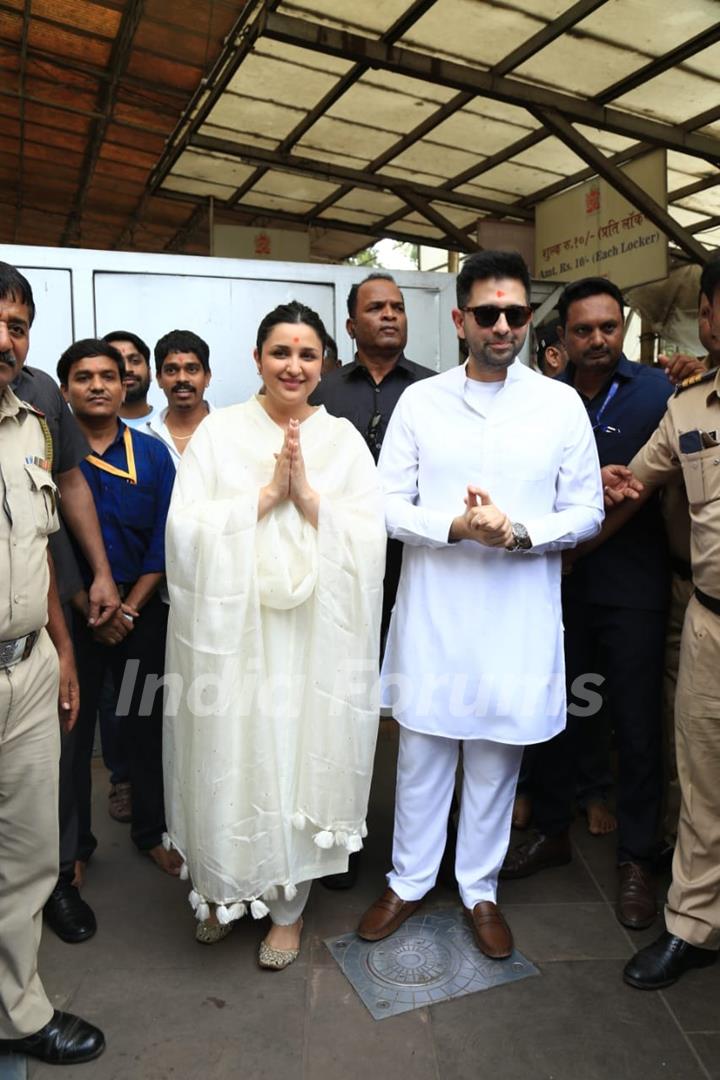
column 275, row 557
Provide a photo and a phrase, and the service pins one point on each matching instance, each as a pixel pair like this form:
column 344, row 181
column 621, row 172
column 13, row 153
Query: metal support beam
column 622, row 183
column 87, row 114
column 554, row 29
column 662, row 63
column 629, row 154
column 247, row 213
column 417, row 65
column 692, row 189
column 391, row 35
column 621, row 158
column 439, row 220
column 118, row 59
column 702, row 226
column 198, row 217
column 418, row 132
column 238, row 44
column 339, row 174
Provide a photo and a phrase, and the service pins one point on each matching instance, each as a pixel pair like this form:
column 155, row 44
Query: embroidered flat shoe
column 207, row 933
column 275, row 959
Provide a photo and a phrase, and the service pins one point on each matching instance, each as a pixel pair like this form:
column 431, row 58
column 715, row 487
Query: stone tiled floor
column 174, row 1010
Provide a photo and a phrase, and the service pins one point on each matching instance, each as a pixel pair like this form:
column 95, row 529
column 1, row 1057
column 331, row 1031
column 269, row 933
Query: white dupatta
column 271, row 715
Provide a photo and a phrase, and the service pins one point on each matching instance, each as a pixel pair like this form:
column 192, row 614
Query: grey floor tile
column 581, row 931
column 576, row 1022
column 175, row 1010
column 695, row 1000
column 219, row 1019
column 559, row 885
column 345, row 1043
column 708, row 1047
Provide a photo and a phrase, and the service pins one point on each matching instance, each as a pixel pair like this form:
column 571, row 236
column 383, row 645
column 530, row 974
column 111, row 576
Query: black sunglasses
column 486, row 315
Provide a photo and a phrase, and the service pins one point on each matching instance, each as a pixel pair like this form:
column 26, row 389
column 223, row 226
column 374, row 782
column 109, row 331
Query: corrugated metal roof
column 121, row 119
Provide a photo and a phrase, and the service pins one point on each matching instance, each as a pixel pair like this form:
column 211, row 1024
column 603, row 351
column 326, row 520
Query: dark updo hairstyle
column 294, row 312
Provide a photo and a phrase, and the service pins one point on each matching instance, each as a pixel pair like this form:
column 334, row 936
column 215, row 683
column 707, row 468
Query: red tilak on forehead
column 499, row 293
column 296, row 339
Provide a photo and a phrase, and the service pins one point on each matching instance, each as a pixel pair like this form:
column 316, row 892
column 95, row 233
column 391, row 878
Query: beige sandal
column 276, row 959
column 207, row 933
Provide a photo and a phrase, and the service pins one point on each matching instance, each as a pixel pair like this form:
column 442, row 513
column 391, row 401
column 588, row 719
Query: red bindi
column 499, row 293
column 296, row 339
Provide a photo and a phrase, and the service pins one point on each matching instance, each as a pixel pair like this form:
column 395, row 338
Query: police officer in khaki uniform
column 687, row 443
column 32, row 673
column 677, row 525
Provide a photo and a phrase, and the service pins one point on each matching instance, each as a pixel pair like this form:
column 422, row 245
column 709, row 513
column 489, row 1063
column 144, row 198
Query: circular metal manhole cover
column 412, row 961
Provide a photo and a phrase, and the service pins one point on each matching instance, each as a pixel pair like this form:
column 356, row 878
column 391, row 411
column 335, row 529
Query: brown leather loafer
column 492, row 934
column 636, row 904
column 385, row 916
column 538, row 853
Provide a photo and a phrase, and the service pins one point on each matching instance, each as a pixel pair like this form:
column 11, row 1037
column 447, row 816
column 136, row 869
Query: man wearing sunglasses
column 365, row 392
column 489, row 471
column 614, row 610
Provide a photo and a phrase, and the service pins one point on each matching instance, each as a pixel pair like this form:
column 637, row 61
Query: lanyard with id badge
column 606, row 429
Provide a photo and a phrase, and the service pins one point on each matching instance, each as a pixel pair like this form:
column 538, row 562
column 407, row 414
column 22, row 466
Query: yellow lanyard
column 131, row 473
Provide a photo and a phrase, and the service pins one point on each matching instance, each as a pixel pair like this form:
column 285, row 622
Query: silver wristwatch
column 521, row 538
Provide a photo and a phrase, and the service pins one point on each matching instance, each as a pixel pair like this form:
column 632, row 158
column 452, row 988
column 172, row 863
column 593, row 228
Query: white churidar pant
column 287, row 912
column 425, row 782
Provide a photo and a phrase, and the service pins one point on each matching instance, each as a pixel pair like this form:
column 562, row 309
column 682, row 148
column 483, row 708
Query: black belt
column 682, row 568
column 708, row 602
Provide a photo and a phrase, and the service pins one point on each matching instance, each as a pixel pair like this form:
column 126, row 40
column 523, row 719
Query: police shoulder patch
column 47, row 436
column 695, row 380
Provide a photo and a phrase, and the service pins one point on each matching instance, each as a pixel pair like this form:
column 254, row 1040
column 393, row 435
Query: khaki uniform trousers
column 29, row 757
column 693, row 905
column 679, row 598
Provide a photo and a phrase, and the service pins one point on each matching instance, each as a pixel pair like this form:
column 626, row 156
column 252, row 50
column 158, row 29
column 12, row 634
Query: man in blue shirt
column 614, row 610
column 131, row 477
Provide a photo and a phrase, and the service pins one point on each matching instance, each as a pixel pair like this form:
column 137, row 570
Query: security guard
column 31, row 673
column 687, row 444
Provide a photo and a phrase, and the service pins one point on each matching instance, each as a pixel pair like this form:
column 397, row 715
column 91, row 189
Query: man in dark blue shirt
column 131, row 477
column 614, row 610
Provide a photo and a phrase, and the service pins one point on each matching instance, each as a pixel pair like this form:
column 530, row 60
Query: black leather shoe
column 68, row 915
column 345, row 880
column 65, row 1040
column 662, row 963
column 538, row 853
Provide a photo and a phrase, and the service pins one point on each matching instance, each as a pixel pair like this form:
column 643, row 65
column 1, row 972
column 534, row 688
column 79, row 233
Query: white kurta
column 475, row 645
column 269, row 744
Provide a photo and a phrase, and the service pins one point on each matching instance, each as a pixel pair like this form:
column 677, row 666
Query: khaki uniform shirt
column 694, row 412
column 28, row 514
column 676, row 515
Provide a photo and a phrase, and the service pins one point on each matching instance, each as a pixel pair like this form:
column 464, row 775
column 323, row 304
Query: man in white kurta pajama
column 475, row 650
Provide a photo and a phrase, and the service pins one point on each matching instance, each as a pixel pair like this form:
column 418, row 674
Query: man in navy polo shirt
column 614, row 610
column 131, row 478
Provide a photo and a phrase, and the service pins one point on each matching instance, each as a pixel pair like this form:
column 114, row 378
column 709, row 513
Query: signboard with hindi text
column 592, row 230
